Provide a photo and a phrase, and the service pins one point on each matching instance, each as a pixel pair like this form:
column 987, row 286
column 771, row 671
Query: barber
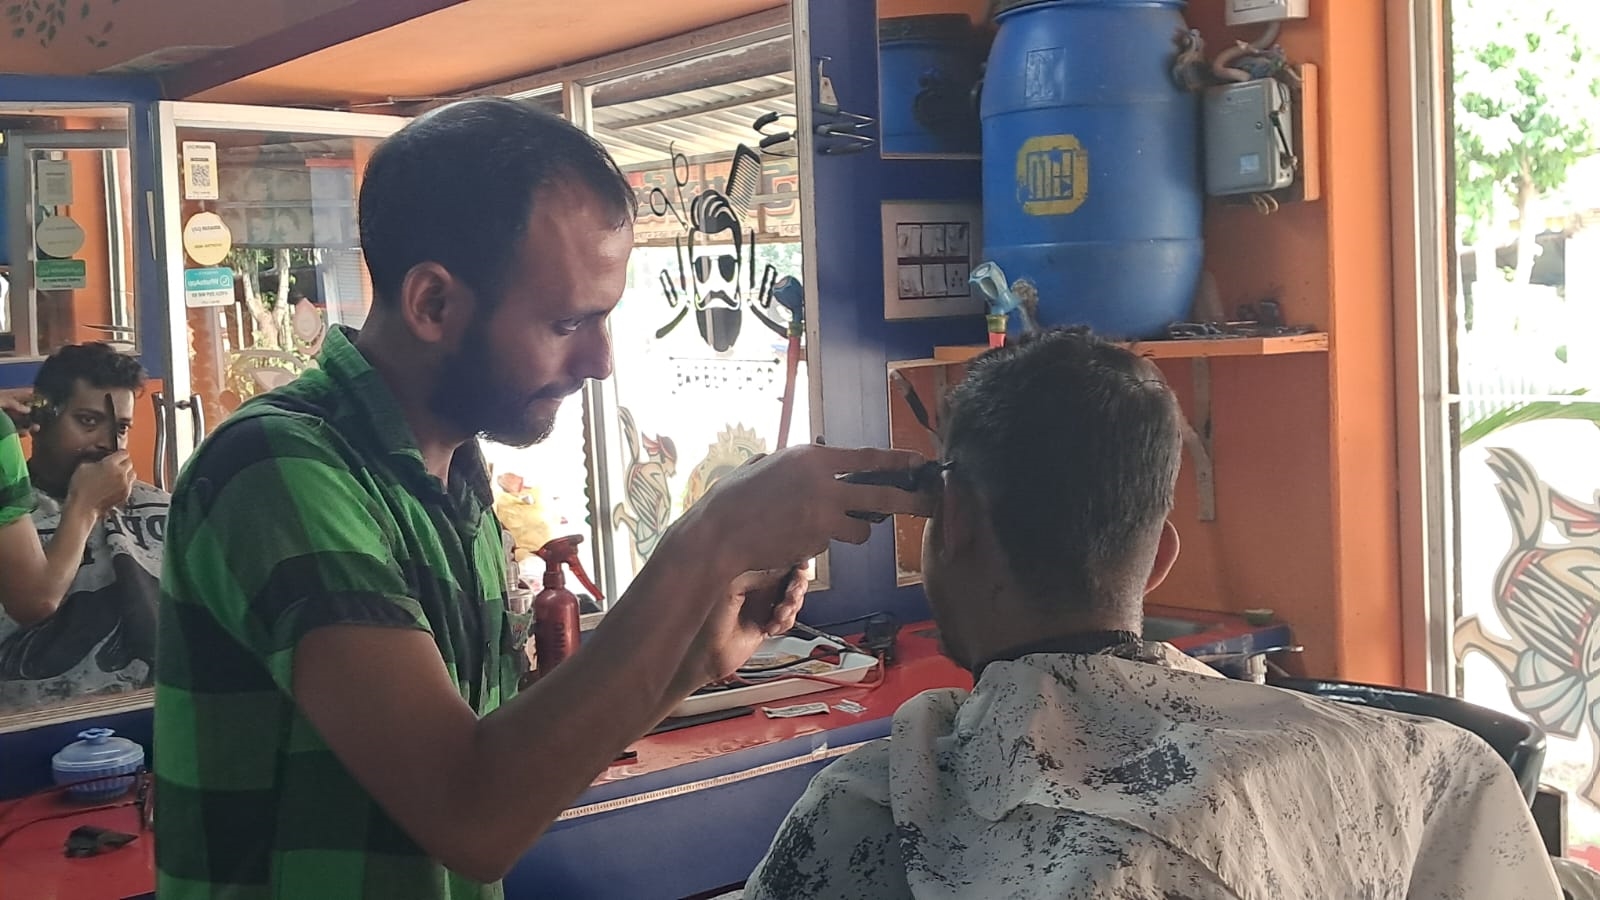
column 334, row 709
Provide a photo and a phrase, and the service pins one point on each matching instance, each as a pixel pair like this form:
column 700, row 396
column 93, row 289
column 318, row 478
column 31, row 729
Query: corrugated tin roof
column 708, row 121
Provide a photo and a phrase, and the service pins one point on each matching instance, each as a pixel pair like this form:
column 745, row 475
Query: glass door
column 260, row 249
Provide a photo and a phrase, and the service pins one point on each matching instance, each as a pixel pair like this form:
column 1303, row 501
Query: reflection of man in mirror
column 94, row 630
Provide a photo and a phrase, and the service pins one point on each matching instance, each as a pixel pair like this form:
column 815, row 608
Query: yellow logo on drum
column 1052, row 175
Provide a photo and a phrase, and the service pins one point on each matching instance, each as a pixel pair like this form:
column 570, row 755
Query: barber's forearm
column 63, row 556
column 547, row 745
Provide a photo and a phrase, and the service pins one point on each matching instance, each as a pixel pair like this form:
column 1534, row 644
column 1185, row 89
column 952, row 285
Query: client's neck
column 1032, row 624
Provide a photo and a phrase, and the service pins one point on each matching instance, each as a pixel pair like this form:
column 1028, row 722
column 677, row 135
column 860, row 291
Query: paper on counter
column 799, row 709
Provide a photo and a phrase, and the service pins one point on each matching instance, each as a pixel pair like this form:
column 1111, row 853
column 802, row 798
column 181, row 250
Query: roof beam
column 355, row 19
column 734, row 33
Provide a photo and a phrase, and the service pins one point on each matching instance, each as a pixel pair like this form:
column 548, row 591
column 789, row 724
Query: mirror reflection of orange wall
column 977, row 10
column 70, row 317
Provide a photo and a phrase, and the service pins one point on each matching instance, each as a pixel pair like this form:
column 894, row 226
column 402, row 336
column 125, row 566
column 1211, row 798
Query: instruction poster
column 53, row 182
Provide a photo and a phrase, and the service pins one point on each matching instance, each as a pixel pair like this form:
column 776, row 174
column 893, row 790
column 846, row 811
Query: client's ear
column 1166, row 555
column 961, row 514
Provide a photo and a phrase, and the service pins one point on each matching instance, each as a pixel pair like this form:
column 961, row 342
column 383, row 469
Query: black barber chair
column 1521, row 744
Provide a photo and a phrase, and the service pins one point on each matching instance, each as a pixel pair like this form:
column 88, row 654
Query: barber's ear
column 436, row 306
column 1166, row 555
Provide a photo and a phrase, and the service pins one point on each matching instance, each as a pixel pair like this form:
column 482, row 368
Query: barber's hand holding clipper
column 763, row 524
column 16, row 403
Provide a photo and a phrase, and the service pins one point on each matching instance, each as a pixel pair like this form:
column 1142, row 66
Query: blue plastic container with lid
column 927, row 70
column 99, row 766
column 1092, row 186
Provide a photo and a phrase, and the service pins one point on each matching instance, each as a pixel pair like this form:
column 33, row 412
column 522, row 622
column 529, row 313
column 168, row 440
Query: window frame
column 1424, row 272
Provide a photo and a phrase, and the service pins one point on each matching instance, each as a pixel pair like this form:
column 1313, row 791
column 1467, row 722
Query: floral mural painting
column 1547, row 596
column 46, row 20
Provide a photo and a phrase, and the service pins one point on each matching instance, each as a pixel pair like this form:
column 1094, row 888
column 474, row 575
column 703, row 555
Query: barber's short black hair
column 96, row 363
column 457, row 186
column 1075, row 443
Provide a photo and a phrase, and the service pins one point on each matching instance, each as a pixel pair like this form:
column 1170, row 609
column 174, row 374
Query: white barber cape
column 1067, row 776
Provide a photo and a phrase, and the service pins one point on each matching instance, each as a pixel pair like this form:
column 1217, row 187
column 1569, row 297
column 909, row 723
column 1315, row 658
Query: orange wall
column 113, row 33
column 1305, row 446
column 91, row 304
column 976, row 9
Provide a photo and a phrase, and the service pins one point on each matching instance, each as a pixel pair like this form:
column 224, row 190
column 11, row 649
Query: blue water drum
column 1091, row 163
column 927, row 71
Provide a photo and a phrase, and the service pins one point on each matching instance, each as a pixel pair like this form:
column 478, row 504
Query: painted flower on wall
column 46, row 20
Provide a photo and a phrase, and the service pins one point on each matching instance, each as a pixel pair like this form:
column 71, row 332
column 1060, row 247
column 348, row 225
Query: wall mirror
column 930, row 64
column 66, row 277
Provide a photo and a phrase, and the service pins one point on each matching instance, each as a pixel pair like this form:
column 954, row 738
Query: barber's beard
column 474, row 396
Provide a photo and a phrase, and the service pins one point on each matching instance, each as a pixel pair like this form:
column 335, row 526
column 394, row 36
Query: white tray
column 852, row 668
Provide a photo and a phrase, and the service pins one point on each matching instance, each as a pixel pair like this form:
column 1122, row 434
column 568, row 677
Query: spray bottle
column 556, row 630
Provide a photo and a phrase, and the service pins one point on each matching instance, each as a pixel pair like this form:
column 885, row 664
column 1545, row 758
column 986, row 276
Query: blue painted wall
column 141, row 94
column 857, row 343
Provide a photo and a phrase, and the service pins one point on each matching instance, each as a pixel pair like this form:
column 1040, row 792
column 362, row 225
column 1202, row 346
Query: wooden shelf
column 1316, row 342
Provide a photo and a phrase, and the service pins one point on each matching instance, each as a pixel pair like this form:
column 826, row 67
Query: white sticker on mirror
column 52, row 182
column 58, row 237
column 199, row 170
column 207, row 239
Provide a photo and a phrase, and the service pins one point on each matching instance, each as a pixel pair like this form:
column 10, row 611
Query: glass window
column 1527, row 351
column 709, row 357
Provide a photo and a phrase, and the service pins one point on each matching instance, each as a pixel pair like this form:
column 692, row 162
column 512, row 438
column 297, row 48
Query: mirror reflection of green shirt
column 310, row 507
column 16, row 494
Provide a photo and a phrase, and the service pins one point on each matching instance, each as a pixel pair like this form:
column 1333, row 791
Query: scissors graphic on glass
column 660, row 203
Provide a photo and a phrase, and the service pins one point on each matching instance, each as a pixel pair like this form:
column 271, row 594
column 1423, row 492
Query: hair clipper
column 920, row 478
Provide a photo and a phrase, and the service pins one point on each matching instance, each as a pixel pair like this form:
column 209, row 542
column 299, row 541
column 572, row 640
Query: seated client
column 1088, row 763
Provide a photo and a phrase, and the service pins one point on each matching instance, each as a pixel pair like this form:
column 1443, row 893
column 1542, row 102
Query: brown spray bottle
column 556, row 631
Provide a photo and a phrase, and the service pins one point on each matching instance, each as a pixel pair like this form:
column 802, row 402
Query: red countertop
column 35, row 868
column 33, row 865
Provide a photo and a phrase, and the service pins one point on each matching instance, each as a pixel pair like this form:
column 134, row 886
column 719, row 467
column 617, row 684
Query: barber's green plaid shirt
column 309, row 507
column 16, row 494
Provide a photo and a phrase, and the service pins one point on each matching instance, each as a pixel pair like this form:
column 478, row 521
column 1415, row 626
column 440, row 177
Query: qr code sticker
column 199, row 170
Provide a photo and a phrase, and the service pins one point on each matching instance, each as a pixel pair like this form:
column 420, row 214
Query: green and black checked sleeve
column 16, row 494
column 274, row 534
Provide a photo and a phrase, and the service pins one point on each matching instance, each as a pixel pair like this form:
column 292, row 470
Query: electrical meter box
column 1246, row 12
column 1249, row 144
